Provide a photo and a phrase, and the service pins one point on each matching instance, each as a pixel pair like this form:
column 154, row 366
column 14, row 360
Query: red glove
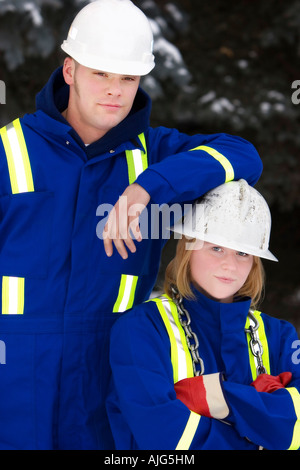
column 203, row 395
column 270, row 383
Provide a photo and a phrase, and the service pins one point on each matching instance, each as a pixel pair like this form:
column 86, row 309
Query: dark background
column 221, row 67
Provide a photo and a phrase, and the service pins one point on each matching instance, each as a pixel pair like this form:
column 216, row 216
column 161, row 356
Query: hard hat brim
column 109, row 65
column 180, row 229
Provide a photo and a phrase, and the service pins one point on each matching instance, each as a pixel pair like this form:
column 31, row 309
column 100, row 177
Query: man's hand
column 123, row 221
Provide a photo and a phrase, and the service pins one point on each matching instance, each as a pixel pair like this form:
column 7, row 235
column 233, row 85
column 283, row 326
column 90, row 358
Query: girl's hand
column 270, row 383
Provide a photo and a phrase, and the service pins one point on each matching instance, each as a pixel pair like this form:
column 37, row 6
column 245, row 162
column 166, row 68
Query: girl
column 200, row 367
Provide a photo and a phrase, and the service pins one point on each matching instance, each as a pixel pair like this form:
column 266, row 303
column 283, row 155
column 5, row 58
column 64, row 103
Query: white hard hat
column 233, row 215
column 113, row 36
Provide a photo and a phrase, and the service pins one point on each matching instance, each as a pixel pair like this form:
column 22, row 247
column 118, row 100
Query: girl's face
column 219, row 272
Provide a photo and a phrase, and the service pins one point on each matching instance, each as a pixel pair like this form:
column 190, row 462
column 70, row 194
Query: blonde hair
column 178, row 274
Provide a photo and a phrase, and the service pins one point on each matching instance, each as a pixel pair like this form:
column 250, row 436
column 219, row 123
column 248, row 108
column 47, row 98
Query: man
column 62, row 169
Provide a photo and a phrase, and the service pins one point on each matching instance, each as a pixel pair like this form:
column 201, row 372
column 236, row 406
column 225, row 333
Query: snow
column 34, row 13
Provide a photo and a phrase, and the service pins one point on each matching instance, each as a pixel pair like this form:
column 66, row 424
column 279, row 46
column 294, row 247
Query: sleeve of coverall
column 144, row 390
column 271, row 420
column 182, row 168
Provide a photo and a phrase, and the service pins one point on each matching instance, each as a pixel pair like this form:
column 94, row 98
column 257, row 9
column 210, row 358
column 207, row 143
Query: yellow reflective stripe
column 21, row 181
column 17, row 158
column 174, row 353
column 180, row 355
column 295, row 444
column 126, row 293
column 264, row 342
column 189, row 432
column 184, row 360
column 251, row 357
column 229, row 171
column 144, row 155
column 137, row 161
column 13, row 295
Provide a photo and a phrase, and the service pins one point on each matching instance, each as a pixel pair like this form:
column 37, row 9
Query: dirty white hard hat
column 233, row 215
column 112, row 36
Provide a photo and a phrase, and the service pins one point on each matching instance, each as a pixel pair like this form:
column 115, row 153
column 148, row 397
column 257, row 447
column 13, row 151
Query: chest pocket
column 25, row 223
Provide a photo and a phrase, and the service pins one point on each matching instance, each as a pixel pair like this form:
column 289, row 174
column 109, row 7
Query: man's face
column 98, row 100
